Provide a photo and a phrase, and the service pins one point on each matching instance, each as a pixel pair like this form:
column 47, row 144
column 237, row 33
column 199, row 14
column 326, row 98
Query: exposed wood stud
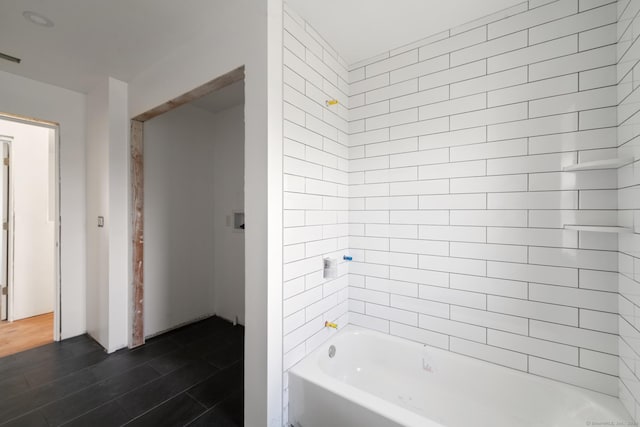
column 137, row 203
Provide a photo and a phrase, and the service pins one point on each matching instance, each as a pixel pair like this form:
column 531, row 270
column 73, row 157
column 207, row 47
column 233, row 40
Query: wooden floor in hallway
column 25, row 334
column 190, row 376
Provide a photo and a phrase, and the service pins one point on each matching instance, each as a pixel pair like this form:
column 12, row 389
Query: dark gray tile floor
column 190, row 376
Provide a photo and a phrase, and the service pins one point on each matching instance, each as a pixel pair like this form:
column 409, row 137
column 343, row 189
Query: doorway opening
column 187, row 165
column 29, row 244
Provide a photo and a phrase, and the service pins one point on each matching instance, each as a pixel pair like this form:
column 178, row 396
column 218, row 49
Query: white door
column 4, row 217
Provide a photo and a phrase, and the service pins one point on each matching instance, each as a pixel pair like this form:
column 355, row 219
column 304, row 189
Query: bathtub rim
column 308, row 369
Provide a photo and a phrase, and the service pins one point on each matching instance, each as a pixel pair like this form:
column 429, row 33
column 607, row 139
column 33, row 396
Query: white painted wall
column 244, row 32
column 107, row 196
column 178, row 256
column 275, row 197
column 228, row 197
column 98, row 205
column 194, row 179
column 118, row 218
column 32, row 288
column 30, row 98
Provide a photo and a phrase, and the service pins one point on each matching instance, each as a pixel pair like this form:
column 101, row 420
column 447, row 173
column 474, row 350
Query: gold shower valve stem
column 331, row 102
column 331, row 325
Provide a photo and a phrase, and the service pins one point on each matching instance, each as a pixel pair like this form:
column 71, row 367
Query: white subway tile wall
column 440, row 171
column 316, row 185
column 628, row 73
column 459, row 198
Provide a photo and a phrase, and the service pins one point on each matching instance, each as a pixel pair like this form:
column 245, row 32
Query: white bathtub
column 377, row 380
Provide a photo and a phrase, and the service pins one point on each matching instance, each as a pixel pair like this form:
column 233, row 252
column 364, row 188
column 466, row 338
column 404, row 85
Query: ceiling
column 97, row 38
column 361, row 29
column 92, row 39
column 227, row 97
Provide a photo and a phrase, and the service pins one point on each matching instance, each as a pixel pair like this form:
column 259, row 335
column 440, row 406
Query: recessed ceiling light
column 37, row 19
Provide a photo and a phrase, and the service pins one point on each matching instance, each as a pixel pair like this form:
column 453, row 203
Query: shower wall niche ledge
column 598, row 228
column 599, row 164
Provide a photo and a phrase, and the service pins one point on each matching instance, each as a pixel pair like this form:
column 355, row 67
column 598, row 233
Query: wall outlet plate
column 238, row 221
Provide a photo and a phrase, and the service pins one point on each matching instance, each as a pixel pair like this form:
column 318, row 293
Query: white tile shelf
column 599, row 164
column 597, row 228
column 593, row 165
